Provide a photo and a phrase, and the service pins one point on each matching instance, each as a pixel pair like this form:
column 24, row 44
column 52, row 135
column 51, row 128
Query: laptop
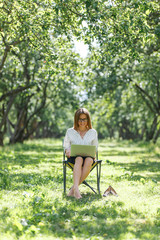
column 83, row 150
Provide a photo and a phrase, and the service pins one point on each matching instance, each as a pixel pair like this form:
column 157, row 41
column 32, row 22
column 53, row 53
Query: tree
column 26, row 28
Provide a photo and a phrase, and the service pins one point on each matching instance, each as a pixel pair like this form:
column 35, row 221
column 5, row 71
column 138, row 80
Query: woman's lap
column 72, row 159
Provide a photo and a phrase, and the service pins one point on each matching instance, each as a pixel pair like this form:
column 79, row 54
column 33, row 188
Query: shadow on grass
column 17, row 155
column 143, row 167
column 126, row 148
column 81, row 219
column 111, row 220
column 32, row 147
column 149, row 166
column 29, row 181
column 107, row 153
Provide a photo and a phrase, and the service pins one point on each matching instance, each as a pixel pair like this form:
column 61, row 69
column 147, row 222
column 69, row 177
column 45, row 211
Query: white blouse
column 73, row 137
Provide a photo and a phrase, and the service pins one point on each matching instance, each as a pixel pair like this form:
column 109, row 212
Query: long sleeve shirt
column 73, row 137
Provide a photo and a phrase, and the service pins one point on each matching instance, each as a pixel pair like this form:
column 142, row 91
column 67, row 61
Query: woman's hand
column 68, row 153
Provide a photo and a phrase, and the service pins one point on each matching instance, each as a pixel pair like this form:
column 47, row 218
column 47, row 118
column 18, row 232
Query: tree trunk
column 3, row 122
column 156, row 136
column 1, row 138
column 152, row 130
column 26, row 125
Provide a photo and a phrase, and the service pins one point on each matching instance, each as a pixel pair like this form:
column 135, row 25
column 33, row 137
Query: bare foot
column 71, row 192
column 77, row 194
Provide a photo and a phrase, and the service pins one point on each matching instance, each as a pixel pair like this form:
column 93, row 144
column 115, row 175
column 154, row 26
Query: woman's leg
column 86, row 169
column 77, row 171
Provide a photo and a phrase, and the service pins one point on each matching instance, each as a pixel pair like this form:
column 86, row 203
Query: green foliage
column 122, row 94
column 41, row 74
column 33, row 205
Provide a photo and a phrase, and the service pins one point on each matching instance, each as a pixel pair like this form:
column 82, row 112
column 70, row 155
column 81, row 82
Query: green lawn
column 33, row 206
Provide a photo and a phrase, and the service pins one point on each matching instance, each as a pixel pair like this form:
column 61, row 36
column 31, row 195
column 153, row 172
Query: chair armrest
column 97, row 160
column 65, row 161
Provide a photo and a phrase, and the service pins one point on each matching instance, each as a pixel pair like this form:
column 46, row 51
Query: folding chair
column 97, row 164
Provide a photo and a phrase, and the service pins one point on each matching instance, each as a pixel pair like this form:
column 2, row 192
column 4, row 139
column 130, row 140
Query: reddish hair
column 77, row 116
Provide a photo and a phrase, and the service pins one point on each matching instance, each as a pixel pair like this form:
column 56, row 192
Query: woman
column 82, row 133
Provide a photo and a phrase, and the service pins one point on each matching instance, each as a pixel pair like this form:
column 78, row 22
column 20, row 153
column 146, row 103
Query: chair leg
column 64, row 177
column 98, row 176
column 85, row 183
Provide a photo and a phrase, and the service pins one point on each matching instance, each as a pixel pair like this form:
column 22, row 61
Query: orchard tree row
column 42, row 78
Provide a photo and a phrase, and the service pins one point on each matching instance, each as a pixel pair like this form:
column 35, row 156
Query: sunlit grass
column 33, row 205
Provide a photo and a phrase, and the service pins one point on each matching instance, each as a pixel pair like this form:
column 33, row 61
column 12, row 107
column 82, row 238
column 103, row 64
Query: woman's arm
column 67, row 145
column 95, row 140
column 68, row 152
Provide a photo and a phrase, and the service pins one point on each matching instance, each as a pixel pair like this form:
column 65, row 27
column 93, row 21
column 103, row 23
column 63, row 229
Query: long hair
column 77, row 115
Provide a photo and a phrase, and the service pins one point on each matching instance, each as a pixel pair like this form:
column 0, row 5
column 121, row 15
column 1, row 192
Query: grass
column 33, row 206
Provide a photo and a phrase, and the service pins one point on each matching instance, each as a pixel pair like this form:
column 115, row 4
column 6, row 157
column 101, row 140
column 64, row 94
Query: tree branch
column 14, row 92
column 7, row 110
column 146, row 97
column 7, row 49
column 41, row 105
column 158, row 90
column 77, row 13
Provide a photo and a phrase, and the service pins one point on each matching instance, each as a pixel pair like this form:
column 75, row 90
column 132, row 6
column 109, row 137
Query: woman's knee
column 79, row 161
column 89, row 161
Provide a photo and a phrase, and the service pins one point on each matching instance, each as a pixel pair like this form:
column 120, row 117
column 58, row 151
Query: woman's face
column 83, row 122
